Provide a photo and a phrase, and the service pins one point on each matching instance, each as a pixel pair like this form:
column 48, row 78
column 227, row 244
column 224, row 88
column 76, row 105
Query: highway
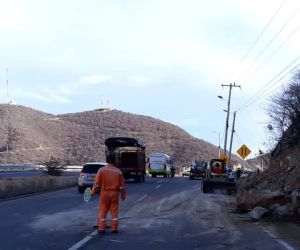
column 162, row 213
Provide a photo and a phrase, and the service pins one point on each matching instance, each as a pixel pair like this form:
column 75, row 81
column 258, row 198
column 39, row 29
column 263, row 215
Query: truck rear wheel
column 139, row 177
column 81, row 189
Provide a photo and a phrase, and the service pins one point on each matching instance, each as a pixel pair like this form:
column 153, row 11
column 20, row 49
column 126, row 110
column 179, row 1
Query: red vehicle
column 217, row 169
column 216, row 179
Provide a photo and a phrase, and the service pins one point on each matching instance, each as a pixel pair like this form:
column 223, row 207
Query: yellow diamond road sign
column 243, row 151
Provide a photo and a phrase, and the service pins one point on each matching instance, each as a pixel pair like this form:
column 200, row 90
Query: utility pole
column 228, row 111
column 231, row 139
column 219, row 146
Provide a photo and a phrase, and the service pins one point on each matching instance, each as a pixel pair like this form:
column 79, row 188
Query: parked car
column 88, row 174
column 186, row 171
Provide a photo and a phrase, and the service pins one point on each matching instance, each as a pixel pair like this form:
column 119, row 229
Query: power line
column 276, row 35
column 264, row 90
column 272, row 54
column 258, row 38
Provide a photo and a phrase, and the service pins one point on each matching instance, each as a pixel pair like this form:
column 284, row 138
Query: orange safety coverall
column 110, row 181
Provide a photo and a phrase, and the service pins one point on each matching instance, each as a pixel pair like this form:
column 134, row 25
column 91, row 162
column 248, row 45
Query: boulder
column 283, row 210
column 248, row 198
column 258, row 212
column 296, row 198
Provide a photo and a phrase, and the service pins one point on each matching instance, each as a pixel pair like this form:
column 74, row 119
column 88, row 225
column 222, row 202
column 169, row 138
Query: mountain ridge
column 28, row 135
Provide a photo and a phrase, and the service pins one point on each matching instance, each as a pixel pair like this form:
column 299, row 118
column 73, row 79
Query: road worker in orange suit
column 110, row 182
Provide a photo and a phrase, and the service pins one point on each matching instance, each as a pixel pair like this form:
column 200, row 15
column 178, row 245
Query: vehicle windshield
column 91, row 168
column 198, row 165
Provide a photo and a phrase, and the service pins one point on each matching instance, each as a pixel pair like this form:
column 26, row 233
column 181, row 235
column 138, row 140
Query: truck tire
column 191, row 177
column 139, row 177
column 143, row 178
column 153, row 175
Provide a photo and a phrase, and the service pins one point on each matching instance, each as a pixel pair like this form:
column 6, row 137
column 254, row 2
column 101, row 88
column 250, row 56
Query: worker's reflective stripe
column 102, row 219
column 122, row 188
column 114, row 219
column 110, row 170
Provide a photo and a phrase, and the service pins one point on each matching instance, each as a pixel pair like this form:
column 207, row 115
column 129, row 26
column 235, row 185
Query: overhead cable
column 277, row 34
column 266, row 88
column 272, row 54
column 258, row 38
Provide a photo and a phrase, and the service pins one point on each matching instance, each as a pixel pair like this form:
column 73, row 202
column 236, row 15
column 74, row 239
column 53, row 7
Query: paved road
column 159, row 214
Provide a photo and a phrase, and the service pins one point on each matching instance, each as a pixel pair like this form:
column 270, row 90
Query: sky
column 166, row 59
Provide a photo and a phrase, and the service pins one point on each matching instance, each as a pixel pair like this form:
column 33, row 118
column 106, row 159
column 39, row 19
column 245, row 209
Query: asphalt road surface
column 162, row 213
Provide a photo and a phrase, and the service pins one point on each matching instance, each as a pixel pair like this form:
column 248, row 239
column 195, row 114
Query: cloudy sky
column 162, row 58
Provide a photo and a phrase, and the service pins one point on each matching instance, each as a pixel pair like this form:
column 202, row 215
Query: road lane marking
column 119, row 241
column 83, row 241
column 158, row 186
column 159, row 181
column 275, row 237
column 142, row 198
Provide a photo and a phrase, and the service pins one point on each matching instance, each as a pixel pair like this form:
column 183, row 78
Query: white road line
column 83, row 241
column 275, row 237
column 159, row 181
column 158, row 186
column 142, row 198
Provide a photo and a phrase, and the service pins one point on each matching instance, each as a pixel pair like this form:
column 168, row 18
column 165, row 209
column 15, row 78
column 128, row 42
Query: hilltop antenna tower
column 104, row 103
column 9, row 100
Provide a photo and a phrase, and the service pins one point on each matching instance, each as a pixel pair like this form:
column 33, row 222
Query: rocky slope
column 278, row 187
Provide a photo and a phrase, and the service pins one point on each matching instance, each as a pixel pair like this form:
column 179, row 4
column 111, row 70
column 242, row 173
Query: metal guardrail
column 19, row 167
column 72, row 168
column 29, row 167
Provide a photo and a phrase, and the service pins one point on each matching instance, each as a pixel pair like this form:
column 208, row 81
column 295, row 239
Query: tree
column 285, row 111
column 53, row 166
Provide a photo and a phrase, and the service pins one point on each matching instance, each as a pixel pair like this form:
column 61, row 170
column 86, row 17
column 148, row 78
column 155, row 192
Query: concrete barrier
column 29, row 185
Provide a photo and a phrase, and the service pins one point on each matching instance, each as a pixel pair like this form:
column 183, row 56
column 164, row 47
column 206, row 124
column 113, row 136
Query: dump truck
column 218, row 178
column 129, row 156
column 160, row 164
column 198, row 169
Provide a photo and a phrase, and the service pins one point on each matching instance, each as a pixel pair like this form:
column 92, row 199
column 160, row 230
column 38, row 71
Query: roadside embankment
column 28, row 185
column 265, row 197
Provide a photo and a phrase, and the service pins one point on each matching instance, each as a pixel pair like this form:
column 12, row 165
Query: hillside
column 277, row 188
column 30, row 136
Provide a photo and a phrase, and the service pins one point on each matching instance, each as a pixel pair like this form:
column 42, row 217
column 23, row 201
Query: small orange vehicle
column 216, row 179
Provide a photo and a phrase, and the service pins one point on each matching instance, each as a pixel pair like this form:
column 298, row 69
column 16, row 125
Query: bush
column 53, row 166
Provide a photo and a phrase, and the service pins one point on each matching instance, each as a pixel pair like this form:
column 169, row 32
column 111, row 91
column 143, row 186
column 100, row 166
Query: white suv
column 88, row 174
